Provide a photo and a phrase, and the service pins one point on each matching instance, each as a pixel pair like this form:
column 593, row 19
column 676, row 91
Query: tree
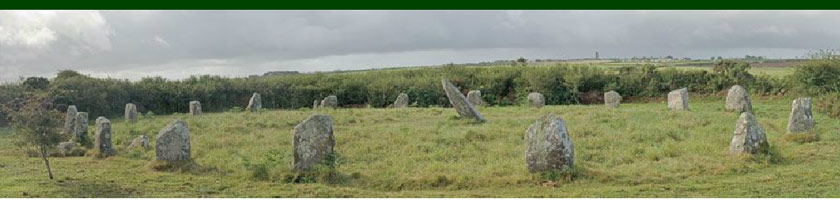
column 37, row 123
column 36, row 83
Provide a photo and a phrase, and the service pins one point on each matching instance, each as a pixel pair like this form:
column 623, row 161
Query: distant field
column 638, row 150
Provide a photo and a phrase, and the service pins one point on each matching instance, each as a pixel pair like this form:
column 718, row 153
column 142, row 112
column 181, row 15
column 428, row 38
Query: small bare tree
column 37, row 123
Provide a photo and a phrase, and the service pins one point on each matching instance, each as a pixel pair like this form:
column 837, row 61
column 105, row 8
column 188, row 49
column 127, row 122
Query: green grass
column 638, row 150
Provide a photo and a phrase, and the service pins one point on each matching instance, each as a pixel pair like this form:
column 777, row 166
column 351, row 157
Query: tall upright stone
column 330, row 101
column 536, row 100
column 255, row 104
column 738, row 100
column 801, row 116
column 315, row 104
column 314, row 143
column 612, row 99
column 70, row 120
column 195, row 108
column 548, row 145
column 81, row 129
column 103, row 137
column 131, row 113
column 474, row 96
column 402, row 101
column 749, row 136
column 459, row 102
column 678, row 99
column 173, row 142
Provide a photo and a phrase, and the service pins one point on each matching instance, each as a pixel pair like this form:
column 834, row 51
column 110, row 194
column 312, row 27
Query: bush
column 818, row 76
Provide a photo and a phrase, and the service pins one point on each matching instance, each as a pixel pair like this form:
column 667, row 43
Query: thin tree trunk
column 46, row 161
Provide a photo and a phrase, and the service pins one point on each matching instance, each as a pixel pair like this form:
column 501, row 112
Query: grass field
column 638, row 150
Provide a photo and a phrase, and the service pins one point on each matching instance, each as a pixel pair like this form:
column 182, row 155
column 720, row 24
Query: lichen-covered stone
column 459, row 102
column 103, row 137
column 314, row 143
column 678, row 99
column 536, row 100
column 173, row 142
column 801, row 116
column 474, row 97
column 330, row 101
column 141, row 141
column 612, row 99
column 66, row 148
column 70, row 120
column 401, row 102
column 749, row 136
column 738, row 100
column 81, row 129
column 315, row 104
column 131, row 113
column 195, row 108
column 255, row 104
column 548, row 145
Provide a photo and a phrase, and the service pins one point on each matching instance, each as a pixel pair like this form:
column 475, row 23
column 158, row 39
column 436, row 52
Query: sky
column 177, row 44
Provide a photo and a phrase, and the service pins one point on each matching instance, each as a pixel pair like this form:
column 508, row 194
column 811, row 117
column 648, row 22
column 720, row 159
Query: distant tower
column 596, row 55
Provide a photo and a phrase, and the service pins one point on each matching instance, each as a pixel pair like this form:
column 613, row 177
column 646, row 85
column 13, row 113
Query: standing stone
column 81, row 129
column 103, row 137
column 330, row 101
column 460, row 103
column 801, row 117
column 612, row 99
column 173, row 142
column 738, row 100
column 314, row 143
column 548, row 145
column 195, row 108
column 474, row 96
column 131, row 113
column 140, row 141
column 66, row 148
column 315, row 104
column 536, row 100
column 70, row 120
column 749, row 136
column 255, row 104
column 678, row 99
column 401, row 102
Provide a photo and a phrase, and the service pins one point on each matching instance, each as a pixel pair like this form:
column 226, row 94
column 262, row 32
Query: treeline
column 500, row 85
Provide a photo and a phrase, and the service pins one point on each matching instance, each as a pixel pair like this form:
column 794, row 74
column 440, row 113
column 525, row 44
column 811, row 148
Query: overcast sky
column 177, row 44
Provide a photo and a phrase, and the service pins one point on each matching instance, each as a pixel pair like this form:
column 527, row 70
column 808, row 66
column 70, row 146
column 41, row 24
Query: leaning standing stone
column 548, row 145
column 314, row 143
column 140, row 141
column 612, row 99
column 103, row 137
column 70, row 120
column 402, row 101
column 738, row 100
column 330, row 101
column 81, row 129
column 474, row 96
column 749, row 136
column 173, row 142
column 131, row 113
column 678, row 99
column 255, row 104
column 459, row 102
column 195, row 108
column 801, row 117
column 536, row 100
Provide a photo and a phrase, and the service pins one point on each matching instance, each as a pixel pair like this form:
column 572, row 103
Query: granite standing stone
column 678, row 99
column 536, row 100
column 330, row 101
column 401, row 102
column 749, row 136
column 81, row 129
column 195, row 108
column 548, row 145
column 315, row 104
column 70, row 120
column 255, row 104
column 173, row 142
column 103, row 137
column 474, row 96
column 141, row 141
column 460, row 103
column 801, row 116
column 738, row 100
column 131, row 113
column 612, row 99
column 314, row 143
